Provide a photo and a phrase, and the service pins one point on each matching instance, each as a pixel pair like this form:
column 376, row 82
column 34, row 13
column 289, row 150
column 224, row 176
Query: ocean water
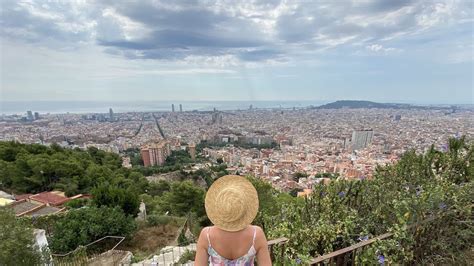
column 62, row 107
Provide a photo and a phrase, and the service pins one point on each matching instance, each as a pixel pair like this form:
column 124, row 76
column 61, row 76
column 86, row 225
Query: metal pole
column 163, row 256
column 172, row 254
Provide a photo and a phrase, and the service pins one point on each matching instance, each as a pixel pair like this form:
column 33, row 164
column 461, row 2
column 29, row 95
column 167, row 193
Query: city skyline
column 397, row 51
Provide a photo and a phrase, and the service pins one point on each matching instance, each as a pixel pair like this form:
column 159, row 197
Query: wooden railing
column 120, row 240
column 80, row 256
column 347, row 256
column 277, row 242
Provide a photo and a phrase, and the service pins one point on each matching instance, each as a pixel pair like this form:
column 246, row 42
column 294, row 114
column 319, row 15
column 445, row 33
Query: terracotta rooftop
column 49, row 198
column 22, row 196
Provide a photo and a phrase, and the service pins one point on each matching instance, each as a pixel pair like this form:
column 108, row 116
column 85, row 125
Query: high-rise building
column 145, row 152
column 172, row 107
column 346, row 142
column 192, row 151
column 398, row 117
column 155, row 154
column 29, row 115
column 361, row 138
column 37, row 116
column 111, row 114
column 180, row 108
column 217, row 118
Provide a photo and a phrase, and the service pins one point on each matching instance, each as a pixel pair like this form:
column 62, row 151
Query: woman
column 231, row 205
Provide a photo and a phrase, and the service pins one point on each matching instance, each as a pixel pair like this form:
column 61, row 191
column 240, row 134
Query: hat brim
column 249, row 200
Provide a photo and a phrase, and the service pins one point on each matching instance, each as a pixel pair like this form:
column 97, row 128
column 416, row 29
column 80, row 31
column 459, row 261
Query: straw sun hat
column 231, row 203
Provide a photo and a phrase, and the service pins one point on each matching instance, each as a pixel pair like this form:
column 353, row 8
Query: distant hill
column 368, row 104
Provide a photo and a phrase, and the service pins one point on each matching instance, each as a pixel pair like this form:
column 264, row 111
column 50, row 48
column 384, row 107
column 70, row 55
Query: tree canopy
column 85, row 225
column 35, row 168
column 437, row 186
column 112, row 196
column 17, row 246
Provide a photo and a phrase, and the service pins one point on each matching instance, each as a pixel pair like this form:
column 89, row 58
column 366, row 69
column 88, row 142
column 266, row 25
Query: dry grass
column 148, row 240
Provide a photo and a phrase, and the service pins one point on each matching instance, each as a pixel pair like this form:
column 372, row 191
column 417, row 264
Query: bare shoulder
column 260, row 239
column 203, row 236
column 259, row 230
column 204, row 231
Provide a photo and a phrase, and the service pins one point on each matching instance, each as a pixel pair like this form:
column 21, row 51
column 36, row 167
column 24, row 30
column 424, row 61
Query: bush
column 436, row 185
column 111, row 196
column 83, row 226
column 77, row 203
column 17, row 241
column 188, row 255
column 183, row 197
column 155, row 220
column 33, row 168
column 182, row 240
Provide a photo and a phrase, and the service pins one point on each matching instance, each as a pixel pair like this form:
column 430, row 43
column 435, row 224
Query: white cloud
column 129, row 29
column 378, row 48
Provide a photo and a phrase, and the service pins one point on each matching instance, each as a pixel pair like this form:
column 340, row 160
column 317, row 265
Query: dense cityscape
column 308, row 140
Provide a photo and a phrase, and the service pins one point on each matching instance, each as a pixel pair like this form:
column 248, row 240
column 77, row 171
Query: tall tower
column 145, row 152
column 30, row 115
column 111, row 114
column 217, row 118
column 172, row 107
column 180, row 108
column 192, row 151
column 361, row 138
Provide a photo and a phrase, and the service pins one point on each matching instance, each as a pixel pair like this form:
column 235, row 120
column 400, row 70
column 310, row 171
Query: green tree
column 298, row 175
column 158, row 188
column 17, row 241
column 85, row 225
column 184, row 197
column 111, row 196
column 77, row 203
column 178, row 157
column 32, row 168
column 7, row 153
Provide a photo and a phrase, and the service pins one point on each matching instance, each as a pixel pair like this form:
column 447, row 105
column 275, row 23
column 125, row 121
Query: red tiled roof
column 49, row 198
column 22, row 196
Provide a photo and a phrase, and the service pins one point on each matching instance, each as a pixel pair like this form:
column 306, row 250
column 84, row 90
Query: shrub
column 17, row 241
column 188, row 255
column 85, row 225
column 155, row 220
column 436, row 185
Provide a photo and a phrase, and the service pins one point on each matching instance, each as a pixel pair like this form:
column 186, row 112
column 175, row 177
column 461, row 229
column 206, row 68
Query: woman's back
column 219, row 247
column 231, row 205
column 231, row 246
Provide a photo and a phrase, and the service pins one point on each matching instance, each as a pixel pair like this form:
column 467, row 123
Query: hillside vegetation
column 426, row 200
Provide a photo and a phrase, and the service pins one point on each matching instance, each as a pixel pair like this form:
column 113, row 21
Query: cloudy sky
column 398, row 50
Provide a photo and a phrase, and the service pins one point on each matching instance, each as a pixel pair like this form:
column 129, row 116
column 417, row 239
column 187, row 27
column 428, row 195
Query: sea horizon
column 85, row 107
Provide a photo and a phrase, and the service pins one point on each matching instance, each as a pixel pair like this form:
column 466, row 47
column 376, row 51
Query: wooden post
column 283, row 250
